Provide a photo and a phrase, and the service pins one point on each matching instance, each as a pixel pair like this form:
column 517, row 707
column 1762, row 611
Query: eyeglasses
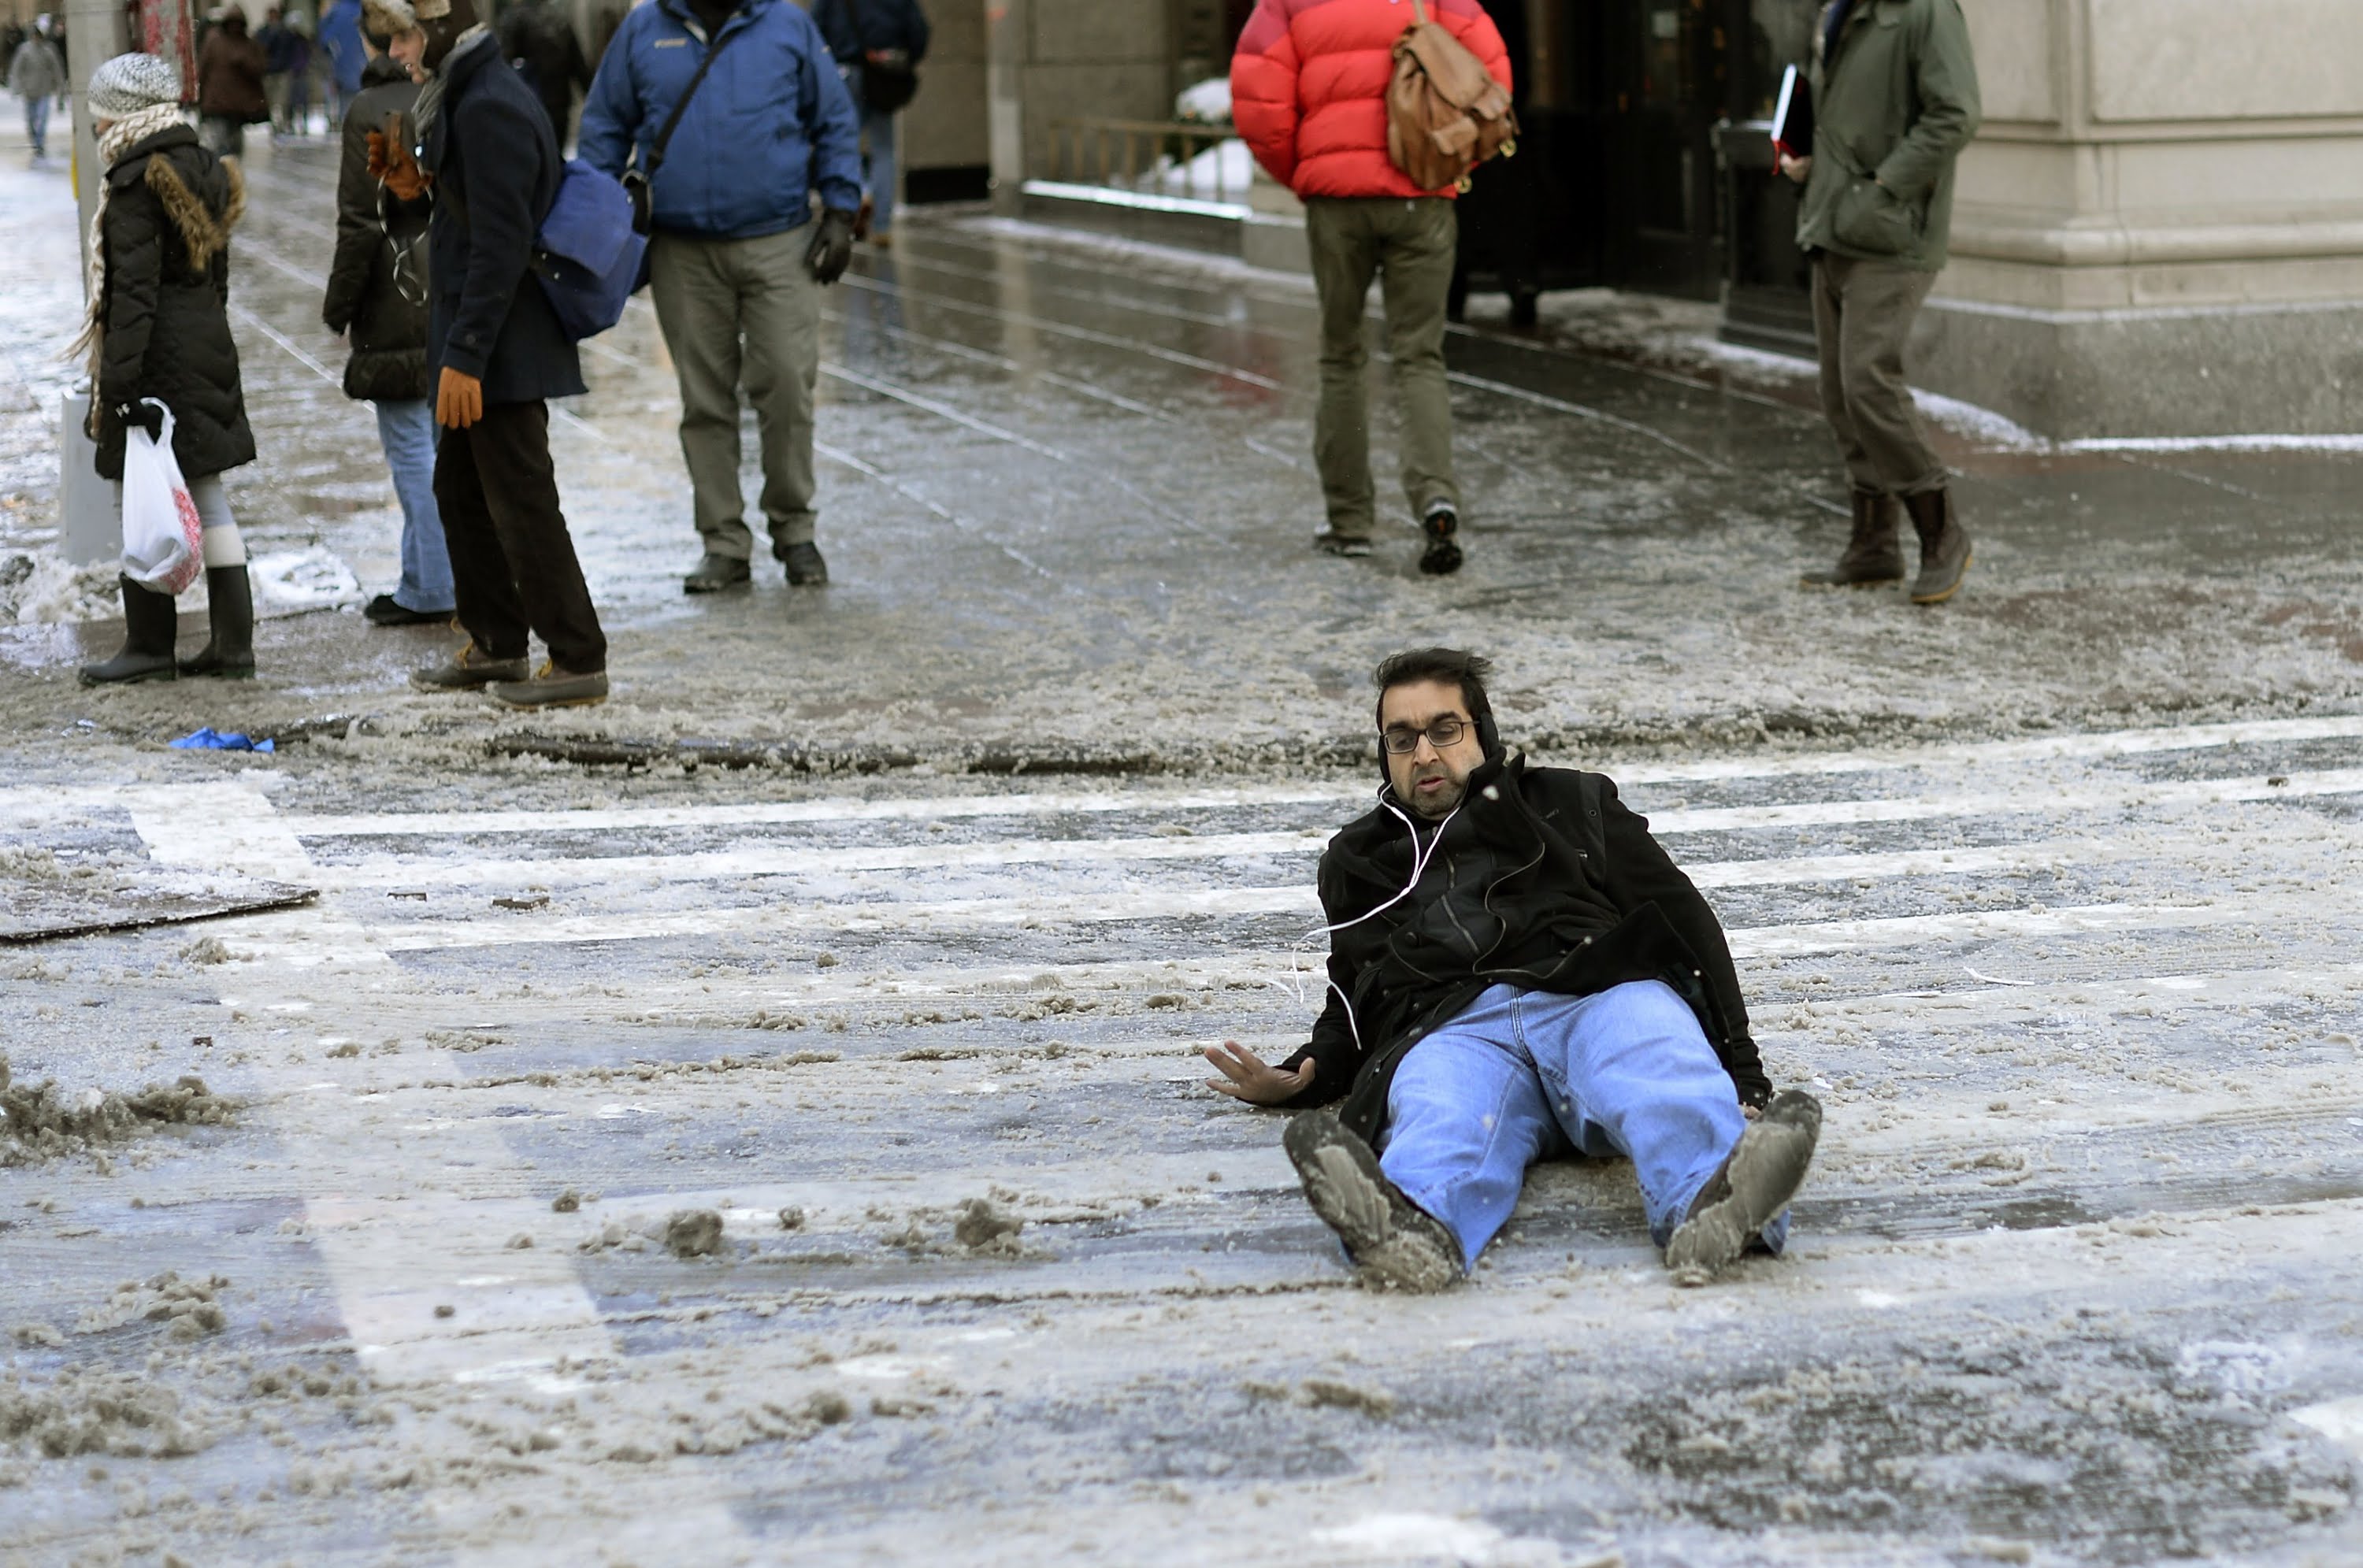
column 1403, row 740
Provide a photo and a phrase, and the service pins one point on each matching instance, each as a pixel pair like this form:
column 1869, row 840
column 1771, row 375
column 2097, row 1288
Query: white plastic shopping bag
column 163, row 545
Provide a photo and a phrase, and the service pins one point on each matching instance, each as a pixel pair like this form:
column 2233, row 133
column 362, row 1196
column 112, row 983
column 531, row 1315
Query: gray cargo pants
column 733, row 312
column 1408, row 244
column 1863, row 312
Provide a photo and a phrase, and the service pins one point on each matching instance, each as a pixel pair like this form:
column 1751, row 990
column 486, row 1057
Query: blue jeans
column 405, row 429
column 878, row 167
column 1522, row 1076
column 36, row 123
column 877, row 154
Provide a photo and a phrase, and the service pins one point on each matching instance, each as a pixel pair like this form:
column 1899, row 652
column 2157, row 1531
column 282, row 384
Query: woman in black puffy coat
column 159, row 328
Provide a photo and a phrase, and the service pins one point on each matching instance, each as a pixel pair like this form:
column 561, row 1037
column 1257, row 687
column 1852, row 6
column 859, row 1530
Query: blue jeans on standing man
column 405, row 427
column 1522, row 1075
column 36, row 123
column 878, row 167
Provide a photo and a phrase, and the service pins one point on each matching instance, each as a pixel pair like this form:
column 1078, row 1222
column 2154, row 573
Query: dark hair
column 381, row 42
column 1453, row 666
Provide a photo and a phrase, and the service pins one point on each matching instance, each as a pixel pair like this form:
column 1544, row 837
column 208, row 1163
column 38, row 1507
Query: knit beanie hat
column 123, row 86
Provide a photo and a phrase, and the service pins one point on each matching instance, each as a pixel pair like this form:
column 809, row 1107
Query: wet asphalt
column 2045, row 894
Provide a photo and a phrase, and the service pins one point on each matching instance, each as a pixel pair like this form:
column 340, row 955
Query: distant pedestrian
column 1501, row 213
column 538, row 37
column 158, row 326
column 341, row 39
column 1308, row 94
column 1896, row 99
column 498, row 353
column 230, row 93
column 879, row 45
column 302, row 60
column 737, row 262
column 278, row 41
column 37, row 73
column 377, row 300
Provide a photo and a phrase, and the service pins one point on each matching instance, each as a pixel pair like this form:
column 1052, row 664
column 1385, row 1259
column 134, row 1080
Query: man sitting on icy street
column 1516, row 969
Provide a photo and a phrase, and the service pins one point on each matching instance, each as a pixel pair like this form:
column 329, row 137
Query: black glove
column 832, row 247
column 140, row 415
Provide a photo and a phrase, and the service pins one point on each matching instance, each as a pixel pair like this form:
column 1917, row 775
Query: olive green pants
column 1408, row 246
column 1863, row 312
column 734, row 312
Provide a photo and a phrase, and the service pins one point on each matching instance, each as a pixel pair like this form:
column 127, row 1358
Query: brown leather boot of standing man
column 1944, row 547
column 1872, row 557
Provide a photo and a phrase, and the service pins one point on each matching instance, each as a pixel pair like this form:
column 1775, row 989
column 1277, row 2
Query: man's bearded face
column 1429, row 778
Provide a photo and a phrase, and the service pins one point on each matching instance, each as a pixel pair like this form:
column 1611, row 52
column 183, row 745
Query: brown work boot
column 1944, row 547
column 552, row 688
column 1395, row 1245
column 469, row 670
column 1872, row 557
column 1758, row 1177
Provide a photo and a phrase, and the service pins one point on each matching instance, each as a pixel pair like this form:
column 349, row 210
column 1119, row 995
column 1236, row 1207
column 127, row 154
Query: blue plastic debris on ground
column 211, row 739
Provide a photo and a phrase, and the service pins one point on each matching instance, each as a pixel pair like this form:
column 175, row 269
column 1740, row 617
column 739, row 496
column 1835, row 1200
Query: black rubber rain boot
column 1872, row 557
column 1944, row 547
column 231, row 653
column 149, row 621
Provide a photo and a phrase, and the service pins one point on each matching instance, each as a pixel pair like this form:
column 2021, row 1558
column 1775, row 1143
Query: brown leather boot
column 1944, row 547
column 1872, row 556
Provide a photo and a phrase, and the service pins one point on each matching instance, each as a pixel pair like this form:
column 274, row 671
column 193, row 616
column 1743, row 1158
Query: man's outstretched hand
column 1246, row 1077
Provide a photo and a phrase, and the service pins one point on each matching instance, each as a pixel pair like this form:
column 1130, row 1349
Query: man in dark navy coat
column 497, row 353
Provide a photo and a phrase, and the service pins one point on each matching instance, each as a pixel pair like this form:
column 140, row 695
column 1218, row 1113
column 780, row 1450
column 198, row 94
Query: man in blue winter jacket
column 736, row 259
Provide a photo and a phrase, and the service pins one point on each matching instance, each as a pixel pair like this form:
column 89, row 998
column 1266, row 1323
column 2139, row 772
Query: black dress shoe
column 806, row 567
column 384, row 612
column 715, row 573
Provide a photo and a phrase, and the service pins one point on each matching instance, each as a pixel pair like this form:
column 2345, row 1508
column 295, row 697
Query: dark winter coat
column 539, row 40
column 229, row 74
column 884, row 24
column 386, row 314
column 170, row 207
column 1544, row 880
column 496, row 169
column 1896, row 99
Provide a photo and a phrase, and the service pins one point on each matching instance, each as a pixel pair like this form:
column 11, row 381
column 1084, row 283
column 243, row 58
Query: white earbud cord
column 1420, row 858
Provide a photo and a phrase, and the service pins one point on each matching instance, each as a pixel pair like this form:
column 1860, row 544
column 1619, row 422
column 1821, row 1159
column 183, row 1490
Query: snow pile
column 315, row 578
column 1206, row 103
column 38, row 586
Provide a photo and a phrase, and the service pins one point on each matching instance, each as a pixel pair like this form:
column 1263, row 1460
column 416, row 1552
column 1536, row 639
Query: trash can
column 1766, row 285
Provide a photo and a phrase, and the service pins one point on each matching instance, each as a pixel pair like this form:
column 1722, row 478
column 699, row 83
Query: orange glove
column 392, row 165
column 459, row 400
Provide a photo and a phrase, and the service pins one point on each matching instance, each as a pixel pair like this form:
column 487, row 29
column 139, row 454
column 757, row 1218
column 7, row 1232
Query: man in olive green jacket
column 1896, row 99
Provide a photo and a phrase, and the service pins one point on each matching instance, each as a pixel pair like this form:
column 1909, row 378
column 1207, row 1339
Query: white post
column 90, row 530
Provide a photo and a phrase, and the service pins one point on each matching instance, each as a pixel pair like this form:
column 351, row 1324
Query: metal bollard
column 90, row 520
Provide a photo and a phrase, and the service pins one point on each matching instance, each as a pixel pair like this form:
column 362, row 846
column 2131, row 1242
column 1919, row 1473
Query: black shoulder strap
column 655, row 159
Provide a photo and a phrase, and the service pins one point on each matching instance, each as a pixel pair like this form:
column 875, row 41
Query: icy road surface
column 2076, row 1280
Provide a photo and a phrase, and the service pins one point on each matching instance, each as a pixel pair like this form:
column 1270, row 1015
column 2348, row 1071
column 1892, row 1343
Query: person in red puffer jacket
column 1308, row 94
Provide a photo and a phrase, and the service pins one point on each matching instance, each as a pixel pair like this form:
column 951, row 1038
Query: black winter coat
column 170, row 207
column 883, row 23
column 1544, row 879
column 376, row 234
column 496, row 169
column 539, row 40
